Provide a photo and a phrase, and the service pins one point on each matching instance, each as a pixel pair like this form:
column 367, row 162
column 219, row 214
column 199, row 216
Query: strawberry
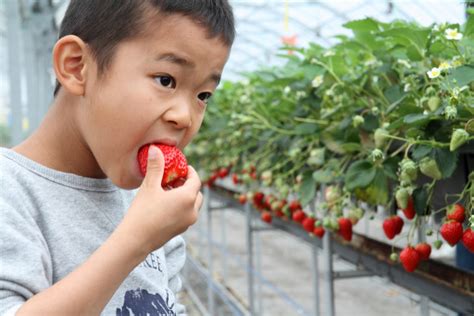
column 424, row 250
column 319, row 231
column 295, row 205
column 429, row 167
column 258, row 199
column 410, row 258
column 176, row 167
column 390, row 227
column 398, row 223
column 235, row 178
column 409, row 211
column 308, row 224
column 266, row 216
column 456, row 212
column 468, row 239
column 223, row 172
column 345, row 228
column 451, row 232
column 299, row 216
column 243, row 198
column 458, row 138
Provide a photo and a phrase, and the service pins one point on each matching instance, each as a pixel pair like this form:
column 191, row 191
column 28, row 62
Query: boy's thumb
column 155, row 166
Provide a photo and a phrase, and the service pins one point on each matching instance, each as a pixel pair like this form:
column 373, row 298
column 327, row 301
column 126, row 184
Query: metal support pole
column 315, row 272
column 250, row 275
column 210, row 294
column 14, row 69
column 329, row 281
column 224, row 242
column 424, row 301
column 258, row 271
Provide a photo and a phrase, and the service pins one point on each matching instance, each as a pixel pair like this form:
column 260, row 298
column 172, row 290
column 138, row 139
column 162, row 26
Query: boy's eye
column 166, row 81
column 205, row 96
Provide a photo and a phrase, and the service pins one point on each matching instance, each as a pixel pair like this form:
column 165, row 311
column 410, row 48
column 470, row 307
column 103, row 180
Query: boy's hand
column 156, row 215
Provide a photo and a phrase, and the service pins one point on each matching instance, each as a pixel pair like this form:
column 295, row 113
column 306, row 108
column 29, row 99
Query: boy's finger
column 155, row 167
column 198, row 202
column 192, row 179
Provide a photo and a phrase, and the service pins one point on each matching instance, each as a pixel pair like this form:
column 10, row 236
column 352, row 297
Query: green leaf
column 463, row 75
column 306, row 128
column 469, row 27
column 420, row 201
column 323, row 176
column 446, row 161
column 390, row 167
column 308, row 189
column 365, row 25
column 371, row 123
column 420, row 151
column 351, row 147
column 377, row 192
column 359, row 175
column 416, row 119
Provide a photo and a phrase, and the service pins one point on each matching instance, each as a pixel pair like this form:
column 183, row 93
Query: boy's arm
column 154, row 217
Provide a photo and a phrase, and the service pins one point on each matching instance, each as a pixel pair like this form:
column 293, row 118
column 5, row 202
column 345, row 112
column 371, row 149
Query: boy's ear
column 71, row 60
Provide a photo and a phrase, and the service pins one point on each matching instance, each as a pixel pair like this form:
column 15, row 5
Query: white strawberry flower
column 434, row 73
column 452, row 34
column 287, row 90
column 406, row 87
column 317, row 81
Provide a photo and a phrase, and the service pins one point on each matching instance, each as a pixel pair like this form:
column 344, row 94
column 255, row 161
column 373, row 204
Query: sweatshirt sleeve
column 175, row 254
column 25, row 263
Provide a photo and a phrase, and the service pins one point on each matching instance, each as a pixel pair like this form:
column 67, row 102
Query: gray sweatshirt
column 51, row 222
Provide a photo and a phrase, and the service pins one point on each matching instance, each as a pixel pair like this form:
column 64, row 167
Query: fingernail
column 152, row 152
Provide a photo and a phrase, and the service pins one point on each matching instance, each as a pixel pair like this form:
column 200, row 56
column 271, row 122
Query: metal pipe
column 248, row 212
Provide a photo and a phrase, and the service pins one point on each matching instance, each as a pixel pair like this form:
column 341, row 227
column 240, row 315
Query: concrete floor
column 286, row 265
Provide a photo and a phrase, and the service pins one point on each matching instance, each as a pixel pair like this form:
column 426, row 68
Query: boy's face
column 155, row 90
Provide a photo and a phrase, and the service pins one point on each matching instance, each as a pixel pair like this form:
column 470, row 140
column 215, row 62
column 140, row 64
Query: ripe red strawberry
column 345, row 228
column 235, row 178
column 468, row 239
column 399, row 222
column 242, row 198
column 258, row 199
column 456, row 212
column 409, row 211
column 390, row 227
column 176, row 167
column 319, row 231
column 223, row 172
column 299, row 216
column 410, row 258
column 266, row 216
column 308, row 224
column 295, row 205
column 451, row 232
column 424, row 250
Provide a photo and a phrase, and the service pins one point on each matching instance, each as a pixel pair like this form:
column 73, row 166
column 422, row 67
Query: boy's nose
column 179, row 114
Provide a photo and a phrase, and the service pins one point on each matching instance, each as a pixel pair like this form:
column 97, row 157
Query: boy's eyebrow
column 175, row 59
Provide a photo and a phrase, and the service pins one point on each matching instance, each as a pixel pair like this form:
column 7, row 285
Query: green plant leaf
column 462, row 75
column 359, row 175
column 416, row 119
column 420, row 151
column 308, row 189
column 306, row 128
column 323, row 176
column 365, row 25
column 420, row 201
column 446, row 161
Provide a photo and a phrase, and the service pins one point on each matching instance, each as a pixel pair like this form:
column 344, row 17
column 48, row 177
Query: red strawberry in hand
column 410, row 258
column 468, row 239
column 451, row 232
column 345, row 228
column 176, row 166
column 424, row 250
column 456, row 212
column 409, row 211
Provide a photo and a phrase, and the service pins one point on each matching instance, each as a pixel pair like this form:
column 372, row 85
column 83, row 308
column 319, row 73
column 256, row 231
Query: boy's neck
column 58, row 143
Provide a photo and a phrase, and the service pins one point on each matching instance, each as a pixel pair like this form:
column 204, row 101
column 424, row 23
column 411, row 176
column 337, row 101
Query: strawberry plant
column 378, row 119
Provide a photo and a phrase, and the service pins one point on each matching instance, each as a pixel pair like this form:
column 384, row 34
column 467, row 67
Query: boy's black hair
column 103, row 24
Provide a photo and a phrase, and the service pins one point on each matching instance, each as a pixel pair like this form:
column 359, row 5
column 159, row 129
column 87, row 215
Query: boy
column 74, row 238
